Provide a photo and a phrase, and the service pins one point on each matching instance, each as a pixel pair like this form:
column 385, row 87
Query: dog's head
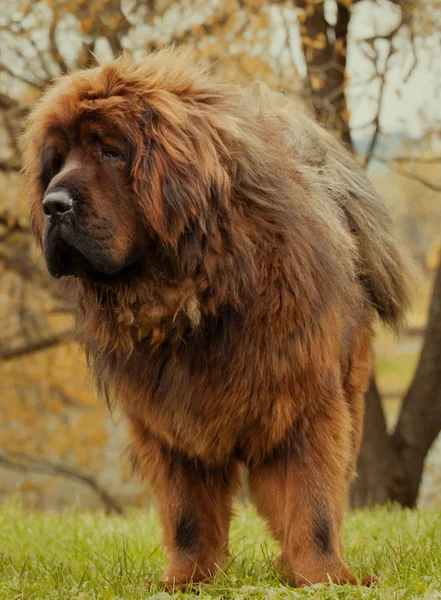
column 124, row 159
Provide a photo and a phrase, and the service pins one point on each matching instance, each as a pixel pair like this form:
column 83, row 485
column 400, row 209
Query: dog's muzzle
column 57, row 203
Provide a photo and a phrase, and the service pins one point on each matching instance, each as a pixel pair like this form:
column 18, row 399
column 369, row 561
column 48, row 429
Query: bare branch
column 25, row 463
column 409, row 159
column 364, row 82
column 23, row 78
column 86, row 57
column 363, row 125
column 53, row 47
column 6, row 102
column 414, row 55
column 187, row 35
column 37, row 346
column 414, row 176
column 382, row 76
column 8, row 165
column 62, row 309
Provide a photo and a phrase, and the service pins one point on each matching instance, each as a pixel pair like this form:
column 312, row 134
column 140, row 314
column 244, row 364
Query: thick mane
column 224, row 179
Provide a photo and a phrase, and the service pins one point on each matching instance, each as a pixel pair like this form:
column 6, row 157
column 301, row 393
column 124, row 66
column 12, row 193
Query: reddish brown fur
column 243, row 333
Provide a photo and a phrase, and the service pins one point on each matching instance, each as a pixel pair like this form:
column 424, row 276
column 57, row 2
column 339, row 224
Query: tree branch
column 9, row 165
column 414, row 55
column 414, row 176
column 37, row 346
column 382, row 76
column 53, row 47
column 22, row 78
column 24, row 463
column 409, row 159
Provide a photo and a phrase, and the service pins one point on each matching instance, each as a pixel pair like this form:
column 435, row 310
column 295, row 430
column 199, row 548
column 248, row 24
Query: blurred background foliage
column 370, row 71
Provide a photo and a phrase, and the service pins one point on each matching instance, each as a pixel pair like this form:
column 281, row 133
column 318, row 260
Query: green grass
column 78, row 555
column 395, row 371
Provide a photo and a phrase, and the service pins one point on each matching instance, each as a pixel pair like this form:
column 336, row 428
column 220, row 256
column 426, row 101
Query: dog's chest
column 208, row 408
column 229, row 385
column 183, row 402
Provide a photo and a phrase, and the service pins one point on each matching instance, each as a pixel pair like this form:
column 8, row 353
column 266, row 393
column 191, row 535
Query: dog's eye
column 110, row 154
column 57, row 163
column 51, row 166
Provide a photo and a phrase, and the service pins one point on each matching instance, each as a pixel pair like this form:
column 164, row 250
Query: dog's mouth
column 67, row 256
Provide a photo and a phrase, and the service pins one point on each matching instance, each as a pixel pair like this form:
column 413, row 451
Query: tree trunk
column 324, row 49
column 419, row 422
column 390, row 467
column 377, row 459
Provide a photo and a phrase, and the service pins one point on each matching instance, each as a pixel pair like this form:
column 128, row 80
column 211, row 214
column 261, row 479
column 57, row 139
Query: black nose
column 57, row 203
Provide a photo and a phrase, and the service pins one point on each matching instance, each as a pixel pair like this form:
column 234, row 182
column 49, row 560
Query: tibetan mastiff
column 227, row 257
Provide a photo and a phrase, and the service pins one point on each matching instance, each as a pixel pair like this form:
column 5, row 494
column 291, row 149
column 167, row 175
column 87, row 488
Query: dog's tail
column 383, row 267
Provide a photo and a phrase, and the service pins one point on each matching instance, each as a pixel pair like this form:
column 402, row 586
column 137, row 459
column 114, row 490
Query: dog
column 227, row 257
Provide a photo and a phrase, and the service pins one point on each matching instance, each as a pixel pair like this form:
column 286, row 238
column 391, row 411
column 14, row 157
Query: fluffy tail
column 383, row 267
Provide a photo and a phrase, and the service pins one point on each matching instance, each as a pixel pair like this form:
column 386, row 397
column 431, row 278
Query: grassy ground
column 396, row 357
column 76, row 556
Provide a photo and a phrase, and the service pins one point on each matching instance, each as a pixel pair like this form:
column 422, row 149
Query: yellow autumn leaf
column 317, row 83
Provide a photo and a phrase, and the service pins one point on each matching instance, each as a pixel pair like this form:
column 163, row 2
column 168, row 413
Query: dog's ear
column 33, row 160
column 180, row 179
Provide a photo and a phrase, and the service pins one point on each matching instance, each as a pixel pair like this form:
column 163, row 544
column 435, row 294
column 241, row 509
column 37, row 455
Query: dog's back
column 334, row 177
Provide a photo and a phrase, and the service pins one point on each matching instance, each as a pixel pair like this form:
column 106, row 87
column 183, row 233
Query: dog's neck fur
column 132, row 314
